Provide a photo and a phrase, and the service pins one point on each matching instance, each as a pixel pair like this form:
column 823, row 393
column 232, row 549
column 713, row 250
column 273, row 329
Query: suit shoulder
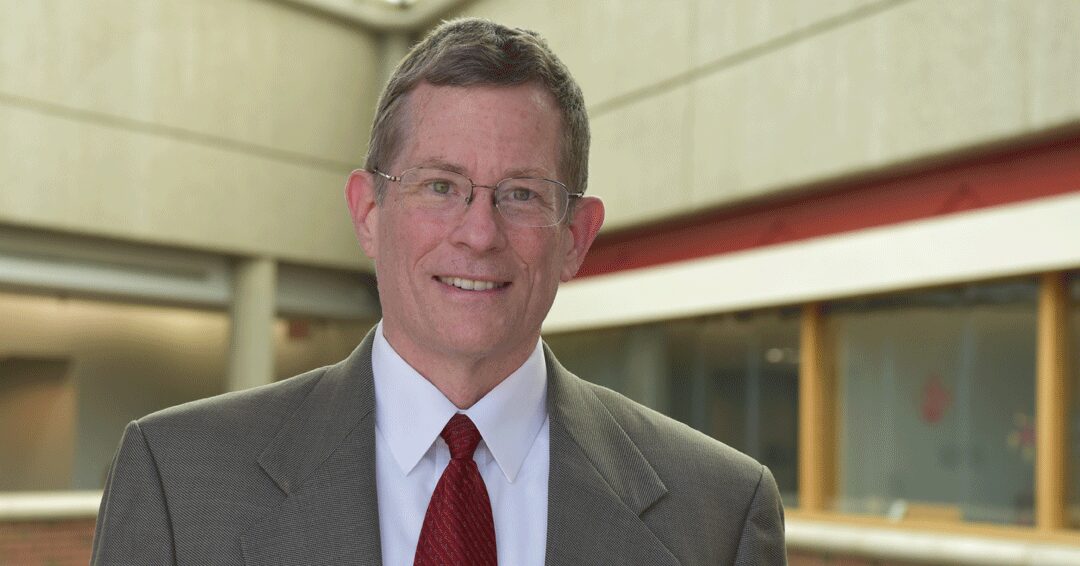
column 665, row 440
column 708, row 491
column 237, row 412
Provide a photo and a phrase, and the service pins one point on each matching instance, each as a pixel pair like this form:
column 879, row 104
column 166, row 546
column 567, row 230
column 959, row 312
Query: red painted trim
column 987, row 181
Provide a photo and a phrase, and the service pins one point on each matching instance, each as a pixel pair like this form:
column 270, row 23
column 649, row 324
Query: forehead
column 485, row 130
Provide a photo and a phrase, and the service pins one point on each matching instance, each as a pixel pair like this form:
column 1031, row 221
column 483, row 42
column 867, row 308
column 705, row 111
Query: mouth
column 471, row 284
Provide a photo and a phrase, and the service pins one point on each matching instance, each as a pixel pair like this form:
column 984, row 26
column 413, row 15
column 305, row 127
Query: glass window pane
column 751, row 372
column 733, row 377
column 937, row 394
column 632, row 360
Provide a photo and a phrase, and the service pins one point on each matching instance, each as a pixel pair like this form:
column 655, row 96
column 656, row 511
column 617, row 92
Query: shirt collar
column 410, row 412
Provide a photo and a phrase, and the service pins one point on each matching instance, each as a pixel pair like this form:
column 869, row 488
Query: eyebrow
column 512, row 173
column 445, row 165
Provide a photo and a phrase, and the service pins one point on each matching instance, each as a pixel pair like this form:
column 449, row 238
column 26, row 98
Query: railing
column 883, row 543
column 46, row 506
column 818, row 537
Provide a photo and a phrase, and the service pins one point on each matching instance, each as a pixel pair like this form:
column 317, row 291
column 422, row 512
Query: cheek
column 543, row 258
column 391, row 261
column 404, row 240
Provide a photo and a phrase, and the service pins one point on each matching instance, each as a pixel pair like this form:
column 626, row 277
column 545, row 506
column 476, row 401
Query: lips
column 472, row 284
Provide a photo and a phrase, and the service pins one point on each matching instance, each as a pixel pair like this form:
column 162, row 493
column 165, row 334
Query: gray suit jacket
column 285, row 474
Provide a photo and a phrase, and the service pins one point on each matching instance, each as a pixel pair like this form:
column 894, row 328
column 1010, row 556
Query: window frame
column 819, row 410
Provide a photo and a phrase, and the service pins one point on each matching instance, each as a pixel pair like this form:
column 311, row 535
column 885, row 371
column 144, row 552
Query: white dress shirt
column 410, row 456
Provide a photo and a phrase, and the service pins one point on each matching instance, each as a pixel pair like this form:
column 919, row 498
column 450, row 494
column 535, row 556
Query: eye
column 521, row 194
column 440, row 186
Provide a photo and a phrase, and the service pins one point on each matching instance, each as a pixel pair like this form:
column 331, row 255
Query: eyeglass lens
column 523, row 201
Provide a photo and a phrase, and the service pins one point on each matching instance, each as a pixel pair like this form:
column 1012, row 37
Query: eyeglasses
column 524, row 201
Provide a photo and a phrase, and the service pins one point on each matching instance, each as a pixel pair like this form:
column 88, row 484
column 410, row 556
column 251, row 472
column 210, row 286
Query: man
column 451, row 435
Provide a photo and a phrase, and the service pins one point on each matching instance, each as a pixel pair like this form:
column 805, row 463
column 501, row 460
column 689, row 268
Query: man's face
column 488, row 134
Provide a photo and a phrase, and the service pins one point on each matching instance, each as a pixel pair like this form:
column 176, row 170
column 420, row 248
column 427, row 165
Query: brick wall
column 68, row 542
column 46, row 543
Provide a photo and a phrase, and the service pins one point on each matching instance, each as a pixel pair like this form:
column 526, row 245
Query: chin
column 474, row 346
column 476, row 342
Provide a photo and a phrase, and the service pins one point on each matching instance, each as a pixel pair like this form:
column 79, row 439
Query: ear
column 588, row 218
column 360, row 194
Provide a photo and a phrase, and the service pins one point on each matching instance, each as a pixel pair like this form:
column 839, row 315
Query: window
column 632, row 360
column 937, row 401
column 733, row 377
column 737, row 378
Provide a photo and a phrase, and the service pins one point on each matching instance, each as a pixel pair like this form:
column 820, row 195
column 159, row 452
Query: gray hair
column 472, row 51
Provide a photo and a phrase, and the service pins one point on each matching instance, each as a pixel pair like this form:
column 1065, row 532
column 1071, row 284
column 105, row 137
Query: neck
column 464, row 380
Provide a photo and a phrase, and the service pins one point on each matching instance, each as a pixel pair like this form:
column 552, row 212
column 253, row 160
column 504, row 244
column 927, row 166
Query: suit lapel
column 323, row 459
column 599, row 483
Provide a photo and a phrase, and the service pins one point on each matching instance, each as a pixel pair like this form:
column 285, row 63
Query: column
column 393, row 46
column 251, row 344
column 1051, row 405
column 817, row 414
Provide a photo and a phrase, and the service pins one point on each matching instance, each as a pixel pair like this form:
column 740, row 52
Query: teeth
column 470, row 284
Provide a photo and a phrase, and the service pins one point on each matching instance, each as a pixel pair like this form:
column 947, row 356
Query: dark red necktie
column 458, row 528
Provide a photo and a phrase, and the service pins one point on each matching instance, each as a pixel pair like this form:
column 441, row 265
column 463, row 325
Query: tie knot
column 461, row 436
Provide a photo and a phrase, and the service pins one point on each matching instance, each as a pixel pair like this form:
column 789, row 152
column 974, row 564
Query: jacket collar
column 323, row 459
column 336, row 406
column 600, row 483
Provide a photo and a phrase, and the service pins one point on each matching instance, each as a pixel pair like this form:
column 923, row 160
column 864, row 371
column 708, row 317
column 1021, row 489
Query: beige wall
column 230, row 125
column 711, row 103
column 219, row 125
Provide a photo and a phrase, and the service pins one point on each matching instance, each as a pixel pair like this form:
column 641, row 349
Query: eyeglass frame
column 570, row 195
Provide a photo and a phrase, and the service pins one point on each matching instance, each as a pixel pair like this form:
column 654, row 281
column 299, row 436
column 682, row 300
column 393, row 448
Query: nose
column 480, row 226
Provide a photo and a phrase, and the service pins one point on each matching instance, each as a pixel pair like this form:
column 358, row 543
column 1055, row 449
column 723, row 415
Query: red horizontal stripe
column 993, row 179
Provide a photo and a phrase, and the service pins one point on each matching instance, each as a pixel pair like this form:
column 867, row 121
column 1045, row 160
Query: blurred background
column 842, row 237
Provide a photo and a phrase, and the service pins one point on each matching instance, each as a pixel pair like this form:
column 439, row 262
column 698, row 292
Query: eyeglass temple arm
column 383, row 175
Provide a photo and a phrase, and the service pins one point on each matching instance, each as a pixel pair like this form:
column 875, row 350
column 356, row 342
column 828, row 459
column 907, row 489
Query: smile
column 471, row 284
